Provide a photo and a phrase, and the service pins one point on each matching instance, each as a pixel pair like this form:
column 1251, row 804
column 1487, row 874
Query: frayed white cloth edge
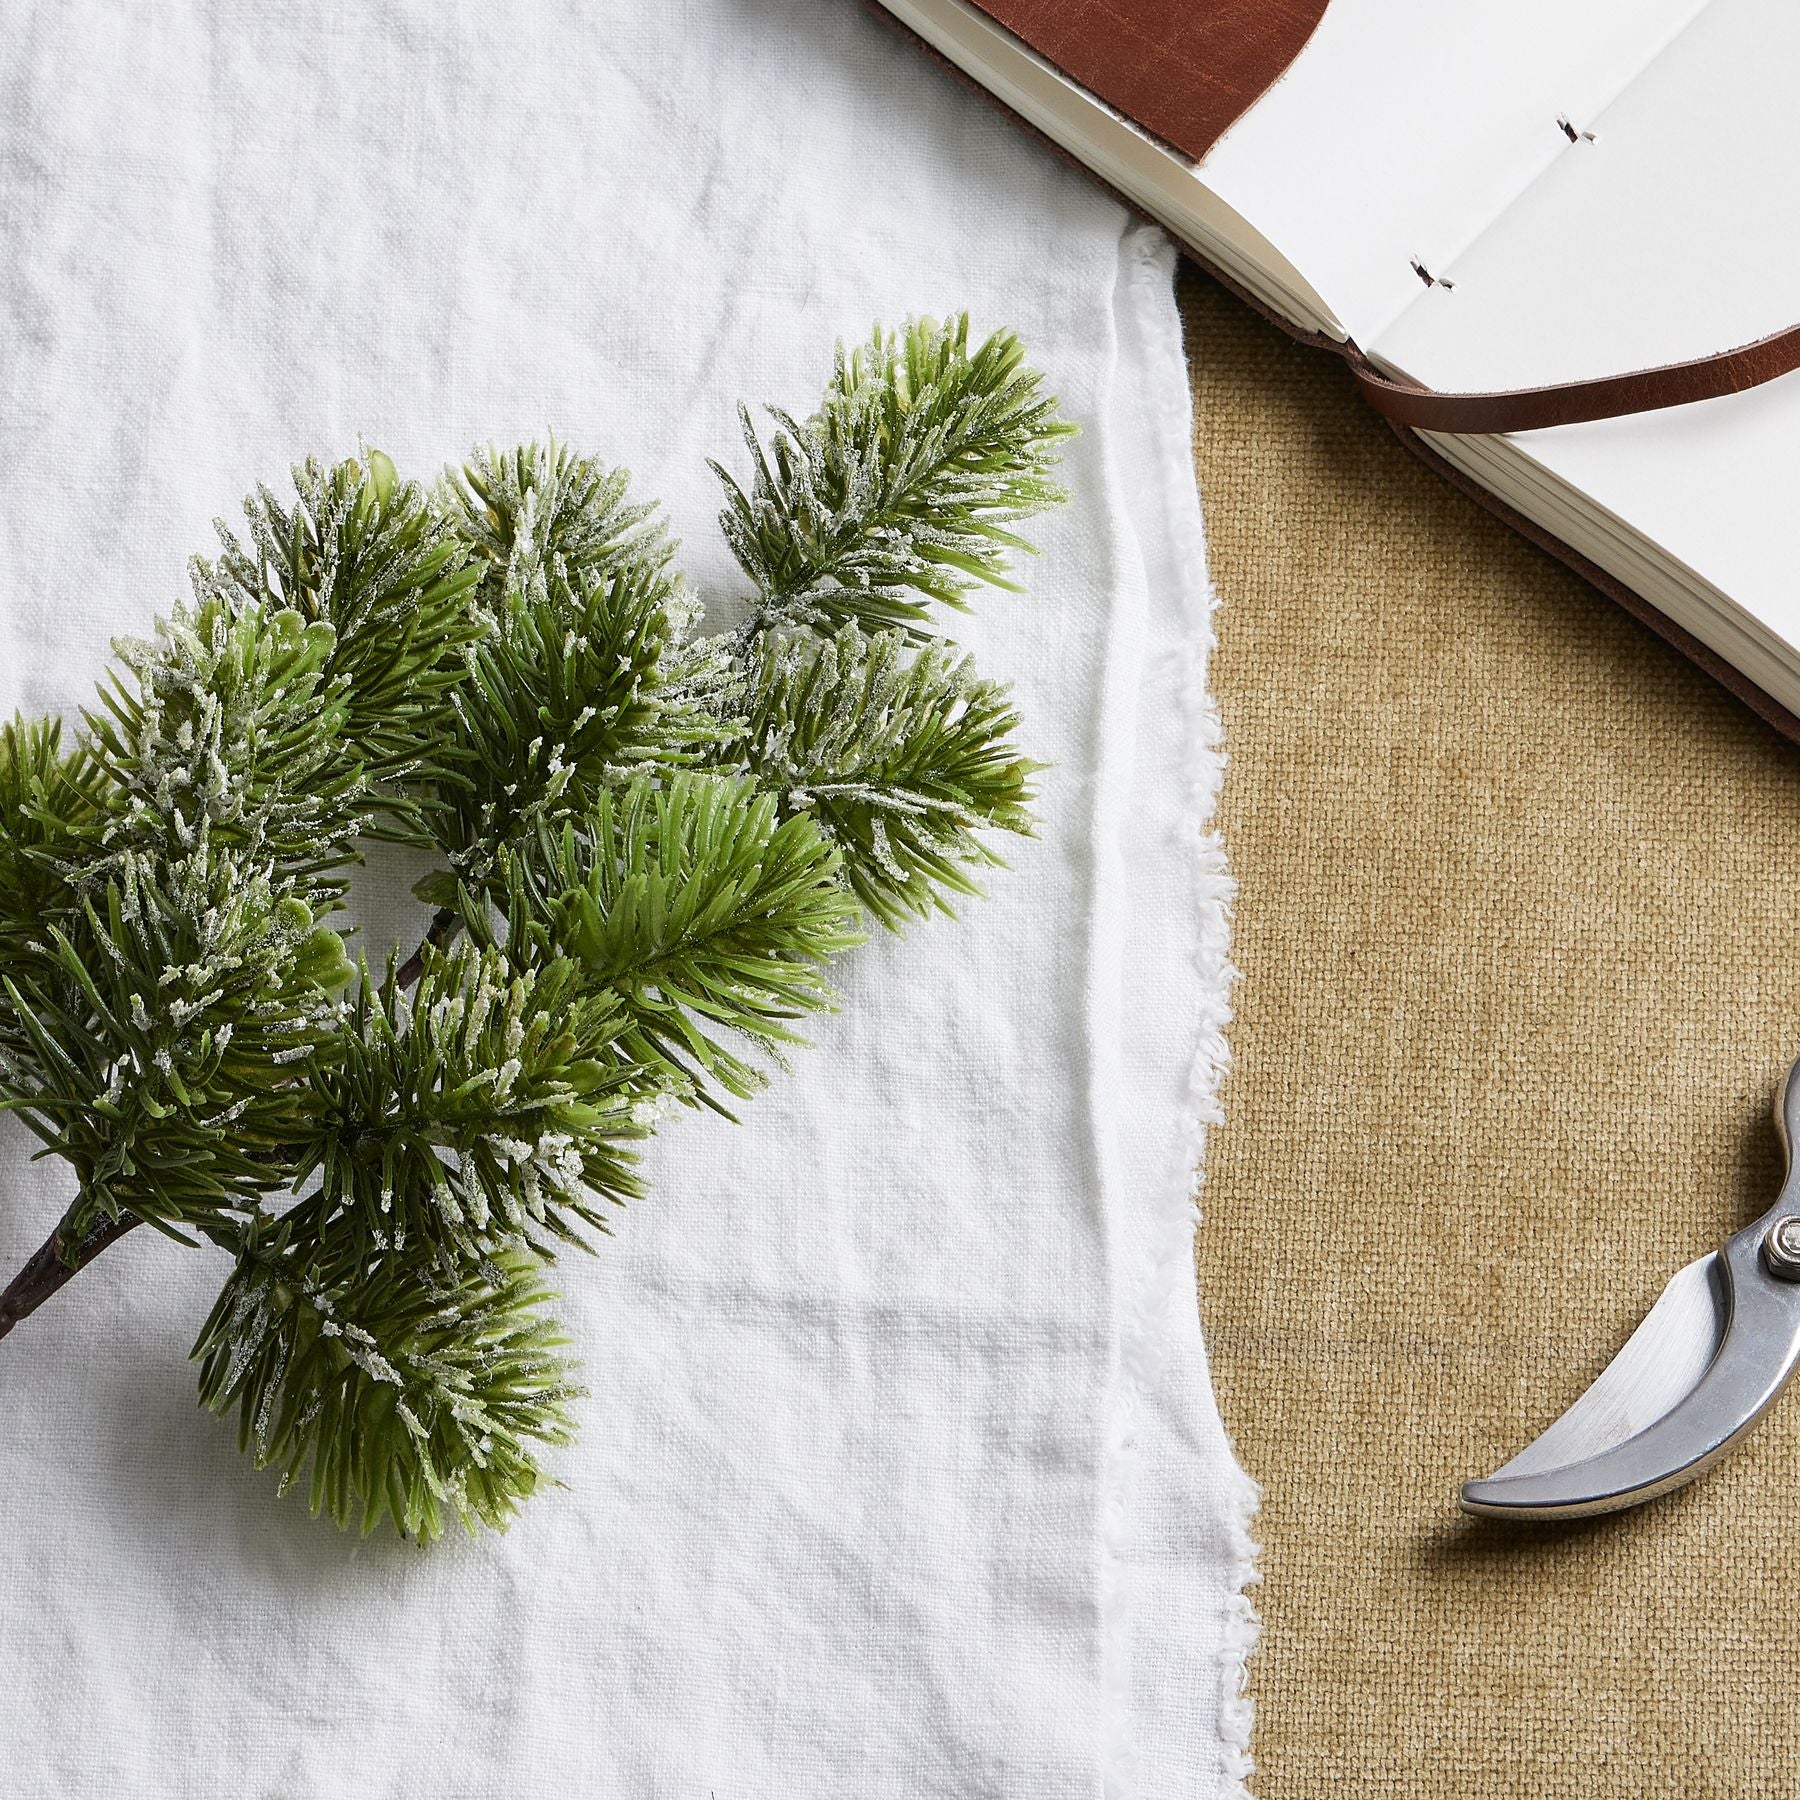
column 1147, row 267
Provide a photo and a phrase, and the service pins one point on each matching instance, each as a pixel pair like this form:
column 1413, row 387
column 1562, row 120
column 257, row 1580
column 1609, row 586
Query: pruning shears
column 1710, row 1358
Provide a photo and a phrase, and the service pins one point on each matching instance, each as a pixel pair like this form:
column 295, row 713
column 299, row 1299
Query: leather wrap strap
column 1572, row 402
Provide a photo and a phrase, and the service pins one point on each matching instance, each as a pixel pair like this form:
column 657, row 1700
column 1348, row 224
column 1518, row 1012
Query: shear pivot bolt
column 1781, row 1249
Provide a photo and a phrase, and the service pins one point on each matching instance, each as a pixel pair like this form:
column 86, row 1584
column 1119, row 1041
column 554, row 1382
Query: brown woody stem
column 443, row 929
column 55, row 1262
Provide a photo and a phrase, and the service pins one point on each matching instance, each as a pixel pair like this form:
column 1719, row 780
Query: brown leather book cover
column 1182, row 71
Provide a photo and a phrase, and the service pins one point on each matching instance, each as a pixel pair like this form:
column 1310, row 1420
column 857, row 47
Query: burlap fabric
column 1519, row 923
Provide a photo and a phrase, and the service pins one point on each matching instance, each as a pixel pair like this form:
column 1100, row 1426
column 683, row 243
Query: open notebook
column 1491, row 195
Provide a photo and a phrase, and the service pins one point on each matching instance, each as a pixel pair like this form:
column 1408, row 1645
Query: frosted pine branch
column 650, row 845
column 901, row 489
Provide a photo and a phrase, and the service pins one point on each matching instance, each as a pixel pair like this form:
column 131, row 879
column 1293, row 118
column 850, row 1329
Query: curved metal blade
column 1708, row 1360
column 1660, row 1365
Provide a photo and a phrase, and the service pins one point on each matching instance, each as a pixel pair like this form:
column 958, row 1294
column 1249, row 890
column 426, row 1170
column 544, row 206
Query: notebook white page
column 1405, row 126
column 1655, row 242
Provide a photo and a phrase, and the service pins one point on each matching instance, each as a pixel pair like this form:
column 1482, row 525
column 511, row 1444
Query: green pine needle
column 699, row 911
column 901, row 488
column 534, row 516
column 52, row 802
column 232, row 733
column 901, row 759
column 415, row 1392
column 160, row 1033
column 372, row 558
column 489, row 1103
column 586, row 677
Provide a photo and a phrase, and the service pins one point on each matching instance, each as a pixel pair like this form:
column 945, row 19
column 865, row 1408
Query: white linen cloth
column 900, row 1474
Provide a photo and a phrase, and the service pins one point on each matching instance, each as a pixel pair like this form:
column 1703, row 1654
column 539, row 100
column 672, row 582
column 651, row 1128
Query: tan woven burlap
column 1519, row 924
